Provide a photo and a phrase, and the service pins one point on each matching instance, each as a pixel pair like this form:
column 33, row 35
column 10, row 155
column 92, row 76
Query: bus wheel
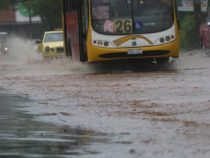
column 162, row 60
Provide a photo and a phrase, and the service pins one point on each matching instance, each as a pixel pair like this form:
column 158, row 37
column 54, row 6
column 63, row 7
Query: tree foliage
column 48, row 10
column 189, row 35
column 190, row 23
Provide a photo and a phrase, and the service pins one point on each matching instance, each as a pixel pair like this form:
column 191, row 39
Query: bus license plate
column 134, row 52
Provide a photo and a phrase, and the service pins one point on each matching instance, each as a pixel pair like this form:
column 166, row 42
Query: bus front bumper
column 96, row 54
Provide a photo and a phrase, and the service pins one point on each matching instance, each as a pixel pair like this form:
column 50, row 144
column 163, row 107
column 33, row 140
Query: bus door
column 73, row 24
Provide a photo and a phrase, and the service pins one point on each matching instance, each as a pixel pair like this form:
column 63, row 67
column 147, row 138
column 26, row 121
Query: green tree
column 48, row 10
column 189, row 36
column 190, row 24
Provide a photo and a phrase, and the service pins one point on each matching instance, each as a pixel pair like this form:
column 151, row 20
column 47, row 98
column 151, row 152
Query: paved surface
column 21, row 136
column 143, row 110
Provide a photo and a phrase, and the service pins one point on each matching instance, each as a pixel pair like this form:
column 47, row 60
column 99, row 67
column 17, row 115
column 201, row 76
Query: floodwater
column 21, row 136
column 125, row 109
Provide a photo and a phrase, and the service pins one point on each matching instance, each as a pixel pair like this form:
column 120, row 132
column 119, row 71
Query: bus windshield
column 131, row 16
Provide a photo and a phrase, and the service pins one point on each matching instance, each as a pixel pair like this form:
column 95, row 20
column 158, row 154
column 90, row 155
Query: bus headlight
column 162, row 40
column 106, row 43
column 101, row 43
column 166, row 39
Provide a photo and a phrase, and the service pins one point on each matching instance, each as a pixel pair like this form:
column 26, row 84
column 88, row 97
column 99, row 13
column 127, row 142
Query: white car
column 52, row 44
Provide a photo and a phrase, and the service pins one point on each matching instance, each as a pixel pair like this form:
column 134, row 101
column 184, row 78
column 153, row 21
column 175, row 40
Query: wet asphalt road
column 147, row 111
column 21, row 137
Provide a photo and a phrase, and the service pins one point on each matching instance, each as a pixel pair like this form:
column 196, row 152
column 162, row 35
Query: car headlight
column 47, row 49
column 52, row 49
column 5, row 49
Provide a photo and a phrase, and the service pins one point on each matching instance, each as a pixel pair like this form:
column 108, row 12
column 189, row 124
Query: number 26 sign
column 123, row 26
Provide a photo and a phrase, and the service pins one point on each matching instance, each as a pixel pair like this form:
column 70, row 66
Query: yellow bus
column 102, row 30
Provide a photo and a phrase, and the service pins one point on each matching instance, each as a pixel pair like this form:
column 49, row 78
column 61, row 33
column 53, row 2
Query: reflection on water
column 20, row 136
column 132, row 65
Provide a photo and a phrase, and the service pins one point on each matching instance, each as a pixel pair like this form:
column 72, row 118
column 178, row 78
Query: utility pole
column 28, row 7
column 197, row 10
column 197, row 14
column 30, row 21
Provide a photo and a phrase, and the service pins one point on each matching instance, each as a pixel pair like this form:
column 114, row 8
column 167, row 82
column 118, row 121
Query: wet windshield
column 131, row 16
column 53, row 37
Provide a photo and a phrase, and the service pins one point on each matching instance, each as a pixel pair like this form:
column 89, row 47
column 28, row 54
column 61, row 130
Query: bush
column 189, row 34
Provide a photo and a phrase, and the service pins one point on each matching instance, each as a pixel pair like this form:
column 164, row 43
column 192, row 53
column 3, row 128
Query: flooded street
column 129, row 110
column 21, row 136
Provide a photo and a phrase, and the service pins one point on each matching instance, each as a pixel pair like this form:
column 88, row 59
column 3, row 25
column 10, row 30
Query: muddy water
column 147, row 110
column 20, row 136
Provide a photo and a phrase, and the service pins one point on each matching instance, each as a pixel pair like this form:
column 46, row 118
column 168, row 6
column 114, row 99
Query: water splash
column 21, row 51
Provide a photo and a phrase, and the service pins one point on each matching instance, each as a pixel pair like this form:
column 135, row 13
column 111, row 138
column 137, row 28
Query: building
column 15, row 19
